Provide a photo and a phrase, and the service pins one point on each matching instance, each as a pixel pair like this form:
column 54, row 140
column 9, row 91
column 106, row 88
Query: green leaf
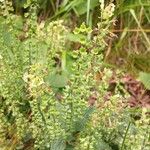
column 18, row 23
column 58, row 145
column 76, row 37
column 8, row 39
column 101, row 145
column 82, row 8
column 58, row 79
column 145, row 79
column 81, row 123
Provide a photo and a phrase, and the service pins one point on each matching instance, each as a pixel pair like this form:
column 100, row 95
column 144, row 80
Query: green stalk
column 88, row 12
column 138, row 23
column 122, row 145
column 144, row 140
column 53, row 5
column 40, row 111
column 88, row 18
column 63, row 60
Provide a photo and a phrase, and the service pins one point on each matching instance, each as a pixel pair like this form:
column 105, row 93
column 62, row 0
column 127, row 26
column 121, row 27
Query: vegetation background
column 74, row 74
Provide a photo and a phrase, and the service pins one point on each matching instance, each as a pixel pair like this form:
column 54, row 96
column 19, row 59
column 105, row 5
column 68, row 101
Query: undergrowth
column 54, row 87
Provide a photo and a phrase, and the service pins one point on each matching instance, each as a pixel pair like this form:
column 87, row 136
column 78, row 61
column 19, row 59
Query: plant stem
column 122, row 145
column 88, row 12
column 144, row 141
column 53, row 5
column 63, row 60
column 88, row 18
column 138, row 23
column 40, row 111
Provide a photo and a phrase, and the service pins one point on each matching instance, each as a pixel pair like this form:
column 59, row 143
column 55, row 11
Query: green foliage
column 52, row 96
column 145, row 79
column 128, row 4
column 81, row 10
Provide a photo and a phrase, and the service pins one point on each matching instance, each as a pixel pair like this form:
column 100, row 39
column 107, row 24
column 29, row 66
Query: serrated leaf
column 81, row 123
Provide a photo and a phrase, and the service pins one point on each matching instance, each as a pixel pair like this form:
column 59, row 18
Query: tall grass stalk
column 88, row 12
column 139, row 25
column 123, row 142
